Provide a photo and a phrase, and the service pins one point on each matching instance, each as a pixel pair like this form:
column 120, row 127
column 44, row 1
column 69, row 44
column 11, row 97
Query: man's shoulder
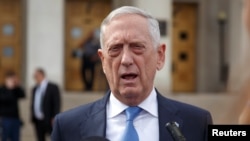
column 82, row 112
column 76, row 122
column 183, row 108
column 52, row 84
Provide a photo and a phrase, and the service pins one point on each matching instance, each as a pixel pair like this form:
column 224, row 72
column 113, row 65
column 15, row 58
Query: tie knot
column 132, row 112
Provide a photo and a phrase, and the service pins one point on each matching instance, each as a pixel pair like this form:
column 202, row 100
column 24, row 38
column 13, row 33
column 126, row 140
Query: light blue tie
column 130, row 132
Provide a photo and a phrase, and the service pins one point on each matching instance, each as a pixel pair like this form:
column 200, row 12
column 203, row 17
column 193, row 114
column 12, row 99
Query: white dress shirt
column 39, row 93
column 146, row 123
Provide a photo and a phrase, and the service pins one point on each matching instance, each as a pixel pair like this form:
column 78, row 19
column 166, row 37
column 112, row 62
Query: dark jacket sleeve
column 32, row 118
column 209, row 121
column 20, row 92
column 56, row 101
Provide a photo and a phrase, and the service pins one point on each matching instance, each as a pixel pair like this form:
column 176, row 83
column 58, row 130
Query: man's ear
column 100, row 54
column 161, row 56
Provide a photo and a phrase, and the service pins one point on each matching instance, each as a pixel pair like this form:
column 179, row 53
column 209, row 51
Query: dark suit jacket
column 50, row 104
column 90, row 120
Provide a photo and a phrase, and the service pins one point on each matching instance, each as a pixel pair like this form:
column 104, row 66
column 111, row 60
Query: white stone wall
column 45, row 39
column 236, row 45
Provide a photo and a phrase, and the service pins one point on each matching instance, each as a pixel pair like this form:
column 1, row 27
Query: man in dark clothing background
column 10, row 93
column 45, row 104
column 89, row 59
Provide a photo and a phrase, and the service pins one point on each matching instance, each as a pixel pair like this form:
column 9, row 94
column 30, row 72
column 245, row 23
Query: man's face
column 38, row 77
column 129, row 58
column 10, row 82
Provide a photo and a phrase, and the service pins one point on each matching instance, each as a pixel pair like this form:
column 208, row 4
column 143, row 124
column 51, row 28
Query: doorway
column 82, row 17
column 10, row 37
column 184, row 47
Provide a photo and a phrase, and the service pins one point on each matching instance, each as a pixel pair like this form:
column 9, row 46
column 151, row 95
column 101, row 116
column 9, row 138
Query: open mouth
column 129, row 76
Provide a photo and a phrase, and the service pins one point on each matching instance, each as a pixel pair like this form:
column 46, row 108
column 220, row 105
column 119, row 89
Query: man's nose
column 127, row 58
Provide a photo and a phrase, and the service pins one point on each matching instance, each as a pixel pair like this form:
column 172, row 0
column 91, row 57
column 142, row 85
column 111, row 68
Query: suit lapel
column 45, row 97
column 167, row 113
column 95, row 125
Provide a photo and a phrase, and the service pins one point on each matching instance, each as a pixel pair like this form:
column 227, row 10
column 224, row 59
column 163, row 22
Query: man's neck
column 41, row 81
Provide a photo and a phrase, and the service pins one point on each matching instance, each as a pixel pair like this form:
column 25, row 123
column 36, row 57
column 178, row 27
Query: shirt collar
column 44, row 83
column 150, row 105
column 114, row 106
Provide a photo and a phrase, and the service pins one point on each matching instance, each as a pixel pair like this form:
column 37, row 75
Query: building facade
column 204, row 40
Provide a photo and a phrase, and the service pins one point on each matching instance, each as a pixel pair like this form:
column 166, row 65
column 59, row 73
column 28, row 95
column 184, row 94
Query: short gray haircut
column 152, row 22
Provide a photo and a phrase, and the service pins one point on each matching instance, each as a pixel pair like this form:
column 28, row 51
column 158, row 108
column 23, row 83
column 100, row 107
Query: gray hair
column 152, row 22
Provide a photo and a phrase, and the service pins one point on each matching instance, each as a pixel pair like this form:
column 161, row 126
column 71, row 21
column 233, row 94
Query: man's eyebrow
column 113, row 44
column 112, row 41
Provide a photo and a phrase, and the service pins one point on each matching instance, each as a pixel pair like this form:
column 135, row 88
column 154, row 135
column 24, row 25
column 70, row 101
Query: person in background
column 45, row 104
column 89, row 59
column 244, row 117
column 10, row 93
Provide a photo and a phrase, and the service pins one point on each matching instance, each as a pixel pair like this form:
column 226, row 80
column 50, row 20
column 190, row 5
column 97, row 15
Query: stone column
column 45, row 38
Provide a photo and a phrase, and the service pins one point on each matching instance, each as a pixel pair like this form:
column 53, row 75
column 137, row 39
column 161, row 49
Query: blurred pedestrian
column 10, row 93
column 89, row 59
column 45, row 104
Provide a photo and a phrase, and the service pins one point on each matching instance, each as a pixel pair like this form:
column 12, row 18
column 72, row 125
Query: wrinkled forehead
column 129, row 19
column 126, row 22
column 127, row 28
column 126, row 17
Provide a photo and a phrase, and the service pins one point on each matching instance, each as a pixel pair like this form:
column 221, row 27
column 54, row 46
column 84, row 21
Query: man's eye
column 114, row 50
column 137, row 48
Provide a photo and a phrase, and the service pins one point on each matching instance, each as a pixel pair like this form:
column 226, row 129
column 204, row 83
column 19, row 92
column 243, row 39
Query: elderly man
column 133, row 110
